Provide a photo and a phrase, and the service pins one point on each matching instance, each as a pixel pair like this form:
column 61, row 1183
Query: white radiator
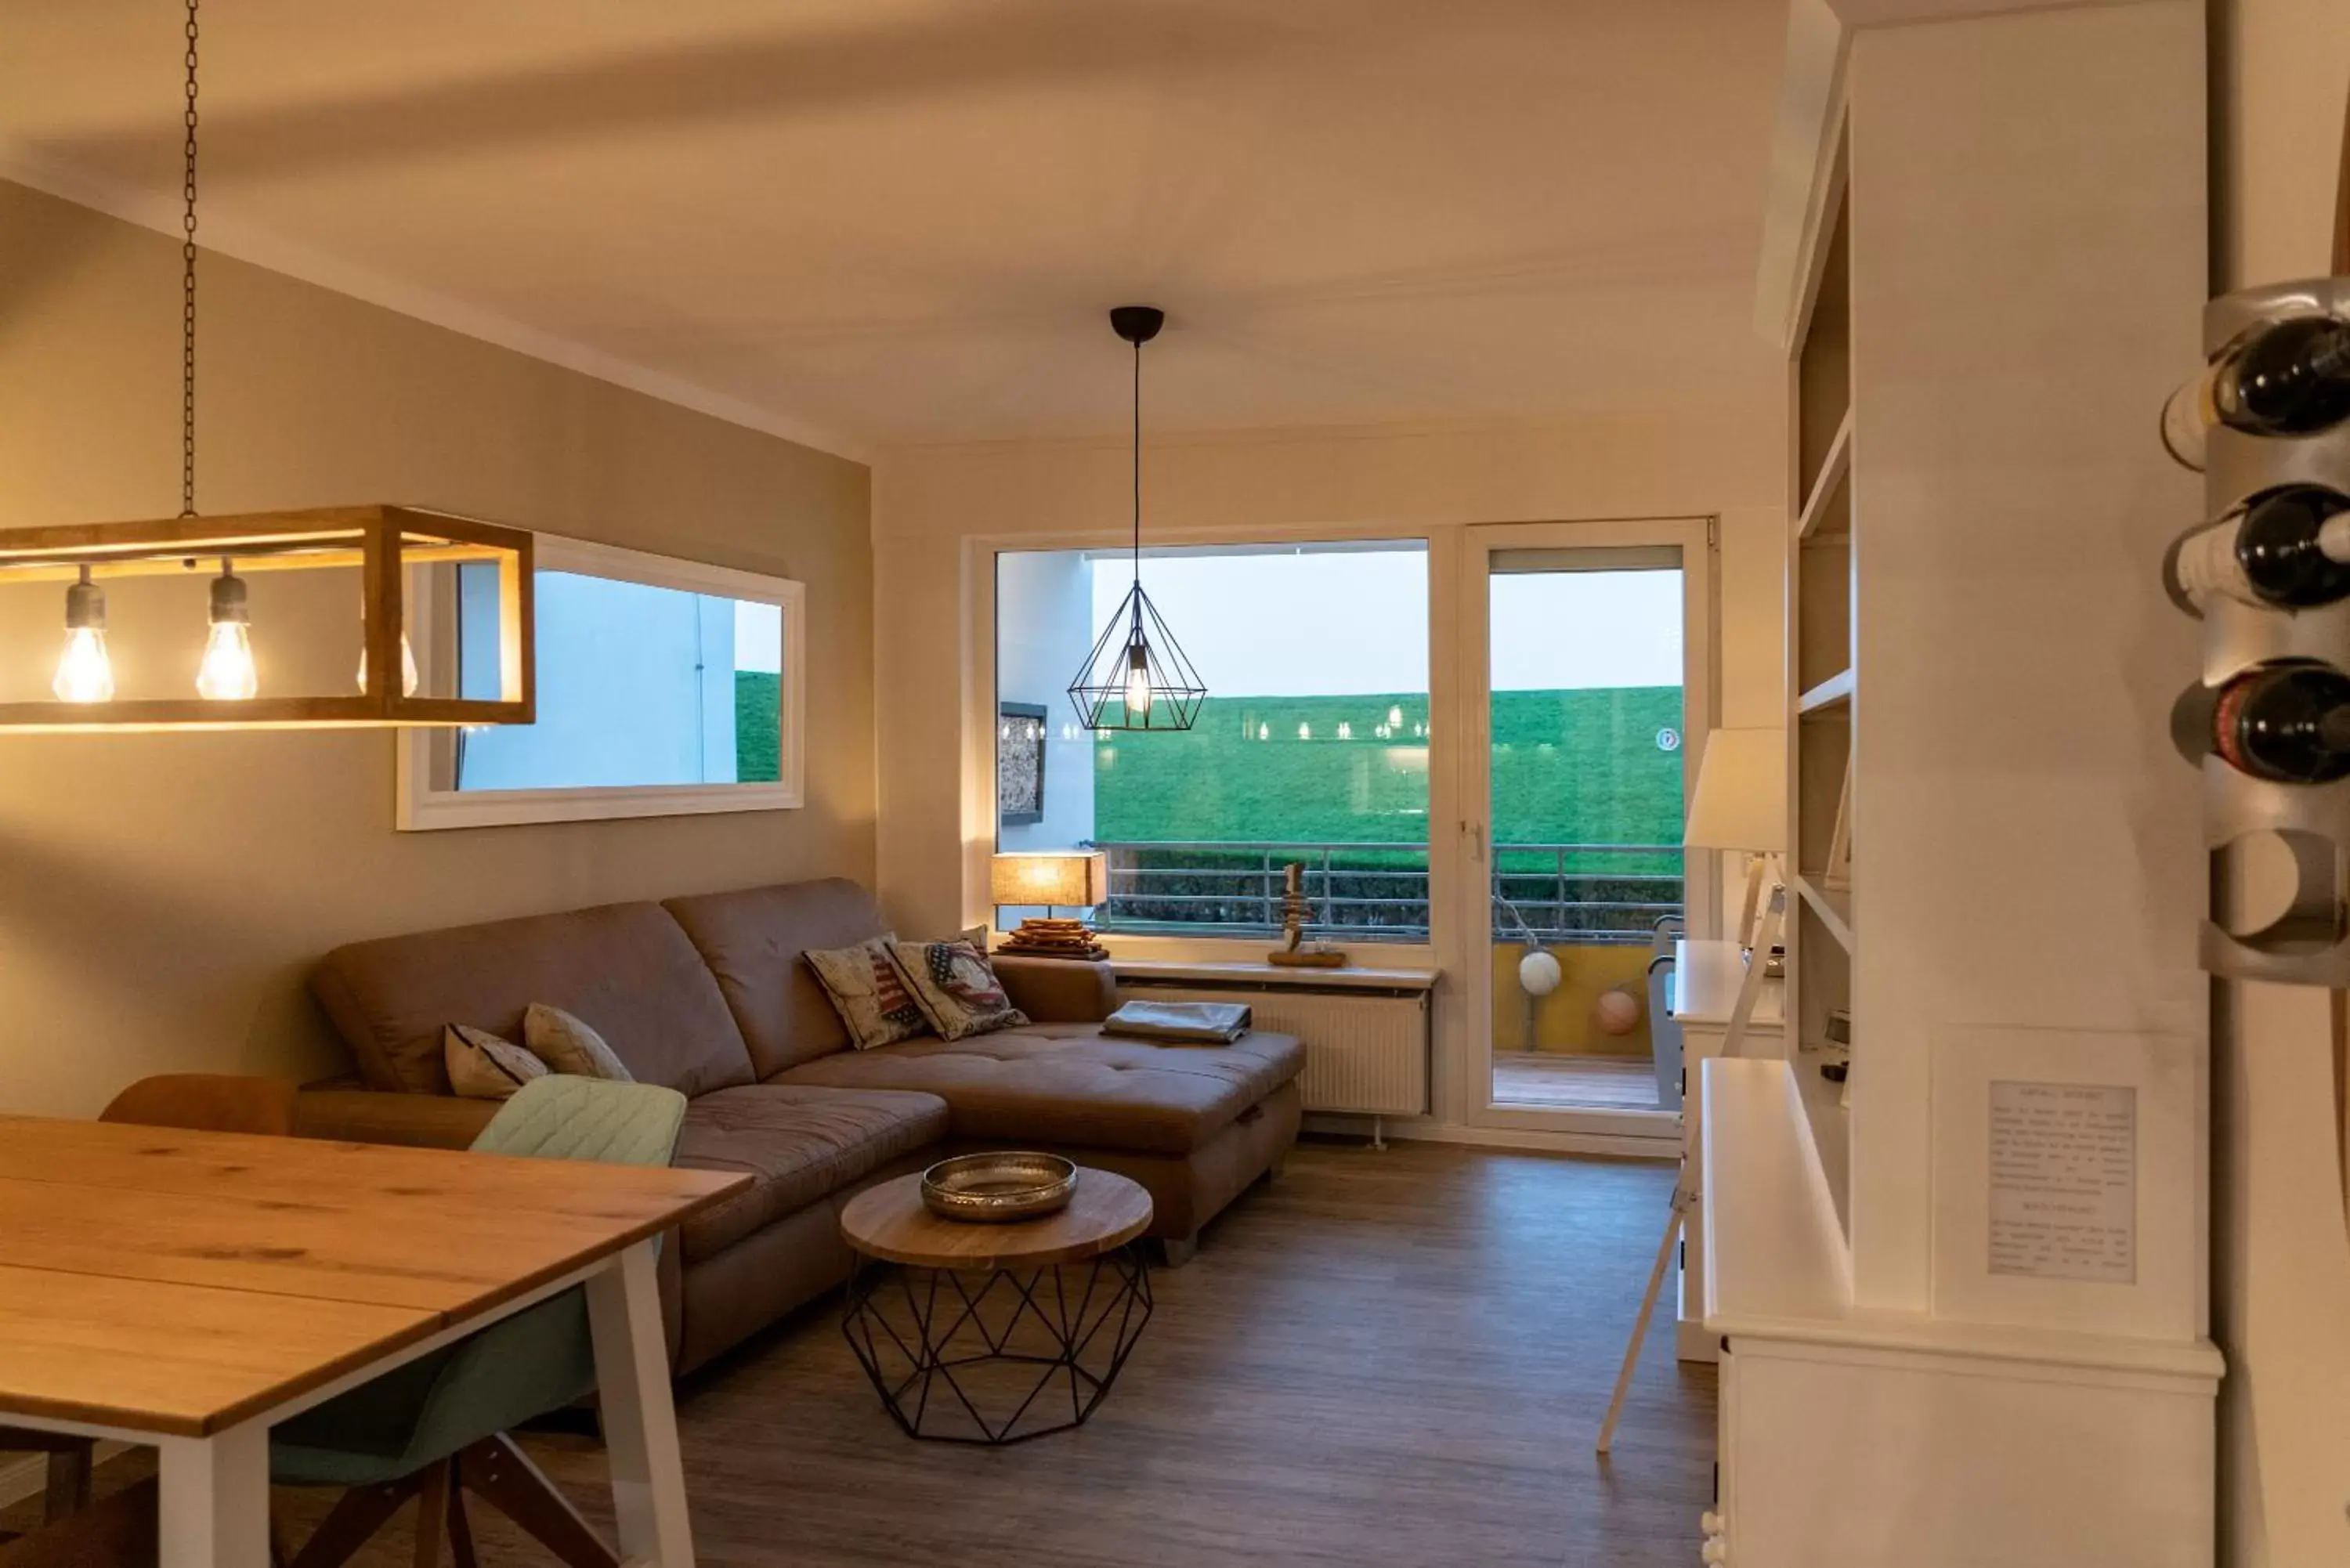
column 1366, row 1052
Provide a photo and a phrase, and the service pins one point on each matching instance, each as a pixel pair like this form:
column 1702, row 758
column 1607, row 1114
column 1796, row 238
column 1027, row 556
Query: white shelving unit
column 1984, row 252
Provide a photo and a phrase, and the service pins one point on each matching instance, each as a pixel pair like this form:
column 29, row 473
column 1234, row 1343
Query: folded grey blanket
column 1180, row 1023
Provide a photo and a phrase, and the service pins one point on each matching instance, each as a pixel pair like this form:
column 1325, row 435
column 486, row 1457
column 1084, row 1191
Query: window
column 1311, row 747
column 665, row 687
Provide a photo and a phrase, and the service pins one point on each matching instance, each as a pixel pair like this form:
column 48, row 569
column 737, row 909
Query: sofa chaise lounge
column 711, row 995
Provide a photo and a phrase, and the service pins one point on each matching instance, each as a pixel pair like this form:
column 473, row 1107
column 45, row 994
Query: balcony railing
column 1569, row 893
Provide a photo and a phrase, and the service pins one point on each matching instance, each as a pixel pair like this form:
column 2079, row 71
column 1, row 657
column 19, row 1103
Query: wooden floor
column 1557, row 1078
column 1395, row 1360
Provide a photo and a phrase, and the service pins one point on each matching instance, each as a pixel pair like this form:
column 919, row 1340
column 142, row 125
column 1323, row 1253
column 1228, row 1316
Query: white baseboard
column 1526, row 1139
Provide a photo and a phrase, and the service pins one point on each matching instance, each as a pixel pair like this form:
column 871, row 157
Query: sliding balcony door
column 1585, row 666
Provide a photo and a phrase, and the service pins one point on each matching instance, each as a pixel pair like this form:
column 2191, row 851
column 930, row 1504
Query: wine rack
column 2279, row 897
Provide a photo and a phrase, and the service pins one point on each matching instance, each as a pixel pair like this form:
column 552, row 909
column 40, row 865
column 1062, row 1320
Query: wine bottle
column 2287, row 722
column 2287, row 548
column 2288, row 378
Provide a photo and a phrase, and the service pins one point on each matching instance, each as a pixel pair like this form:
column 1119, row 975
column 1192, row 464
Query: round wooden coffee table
column 975, row 1334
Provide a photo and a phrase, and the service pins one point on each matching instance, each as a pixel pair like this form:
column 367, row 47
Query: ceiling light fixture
column 386, row 548
column 1137, row 676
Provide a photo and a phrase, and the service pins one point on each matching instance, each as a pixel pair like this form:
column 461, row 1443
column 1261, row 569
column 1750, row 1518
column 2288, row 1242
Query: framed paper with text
column 2070, row 1180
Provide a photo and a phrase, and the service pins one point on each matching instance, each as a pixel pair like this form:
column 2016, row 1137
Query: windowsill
column 1137, row 947
column 1257, row 972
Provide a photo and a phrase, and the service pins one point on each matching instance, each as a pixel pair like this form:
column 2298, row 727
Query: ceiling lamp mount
column 1138, row 324
column 1137, row 676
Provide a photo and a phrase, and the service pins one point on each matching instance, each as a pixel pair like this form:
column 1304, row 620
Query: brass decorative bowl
column 995, row 1189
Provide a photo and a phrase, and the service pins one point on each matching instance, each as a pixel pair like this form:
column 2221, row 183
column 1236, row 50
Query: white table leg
column 215, row 1500
column 639, row 1422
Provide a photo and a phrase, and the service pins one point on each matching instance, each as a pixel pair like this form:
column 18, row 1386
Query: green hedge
column 1569, row 767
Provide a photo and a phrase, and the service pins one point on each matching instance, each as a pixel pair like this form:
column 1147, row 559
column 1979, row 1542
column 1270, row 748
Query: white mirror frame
column 422, row 807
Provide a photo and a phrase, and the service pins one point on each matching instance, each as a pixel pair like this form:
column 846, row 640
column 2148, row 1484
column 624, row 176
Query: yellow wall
column 1562, row 1021
column 161, row 896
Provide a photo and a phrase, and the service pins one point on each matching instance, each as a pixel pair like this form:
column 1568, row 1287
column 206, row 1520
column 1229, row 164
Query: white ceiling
column 900, row 221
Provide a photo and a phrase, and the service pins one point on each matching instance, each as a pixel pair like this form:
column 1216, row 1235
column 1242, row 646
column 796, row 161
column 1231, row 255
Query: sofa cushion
column 865, row 989
column 1057, row 989
column 480, row 1067
column 569, row 1046
column 752, row 940
column 627, row 968
column 1067, row 1084
column 798, row 1144
column 955, row 988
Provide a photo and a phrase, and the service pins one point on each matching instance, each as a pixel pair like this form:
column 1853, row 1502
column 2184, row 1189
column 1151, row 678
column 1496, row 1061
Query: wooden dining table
column 190, row 1290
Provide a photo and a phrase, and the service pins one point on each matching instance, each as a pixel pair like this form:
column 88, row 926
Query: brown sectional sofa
column 710, row 996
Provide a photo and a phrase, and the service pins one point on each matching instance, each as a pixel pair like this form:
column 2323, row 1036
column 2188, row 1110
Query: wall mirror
column 665, row 688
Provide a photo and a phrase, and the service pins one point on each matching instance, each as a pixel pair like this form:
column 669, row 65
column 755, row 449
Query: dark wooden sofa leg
column 1174, row 1251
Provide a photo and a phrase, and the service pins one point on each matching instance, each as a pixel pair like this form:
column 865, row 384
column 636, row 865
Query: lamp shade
column 1071, row 879
column 1741, row 792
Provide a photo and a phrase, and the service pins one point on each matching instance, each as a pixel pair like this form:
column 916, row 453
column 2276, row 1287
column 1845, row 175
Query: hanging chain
column 188, row 291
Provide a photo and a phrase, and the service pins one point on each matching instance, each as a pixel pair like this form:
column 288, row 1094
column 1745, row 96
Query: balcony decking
column 1554, row 1079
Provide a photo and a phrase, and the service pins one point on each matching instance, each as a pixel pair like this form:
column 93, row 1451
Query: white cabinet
column 1853, row 1438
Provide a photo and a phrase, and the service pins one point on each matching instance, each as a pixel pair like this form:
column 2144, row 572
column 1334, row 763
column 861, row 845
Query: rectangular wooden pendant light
column 383, row 543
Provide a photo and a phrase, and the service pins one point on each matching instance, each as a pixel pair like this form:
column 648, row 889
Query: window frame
column 422, row 805
column 1208, row 942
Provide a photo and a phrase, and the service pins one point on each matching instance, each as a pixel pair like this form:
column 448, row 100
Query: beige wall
column 933, row 504
column 2278, row 72
column 161, row 896
column 2281, row 1300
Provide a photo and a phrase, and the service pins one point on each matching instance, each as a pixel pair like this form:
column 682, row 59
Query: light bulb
column 408, row 678
column 85, row 673
column 226, row 674
column 1138, row 681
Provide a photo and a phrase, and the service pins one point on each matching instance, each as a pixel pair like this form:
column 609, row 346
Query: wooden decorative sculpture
column 1296, row 951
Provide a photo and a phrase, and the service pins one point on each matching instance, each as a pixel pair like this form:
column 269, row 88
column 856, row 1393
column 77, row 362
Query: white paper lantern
column 1539, row 972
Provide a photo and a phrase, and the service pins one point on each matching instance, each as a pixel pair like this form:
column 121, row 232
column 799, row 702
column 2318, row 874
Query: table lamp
column 1069, row 878
column 1740, row 802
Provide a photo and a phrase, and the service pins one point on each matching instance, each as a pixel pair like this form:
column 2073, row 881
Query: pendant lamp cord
column 1137, row 484
column 188, row 289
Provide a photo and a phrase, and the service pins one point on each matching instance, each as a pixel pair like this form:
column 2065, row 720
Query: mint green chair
column 436, row 1426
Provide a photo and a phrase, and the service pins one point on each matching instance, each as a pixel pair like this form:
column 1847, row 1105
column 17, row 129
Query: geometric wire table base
column 958, row 1358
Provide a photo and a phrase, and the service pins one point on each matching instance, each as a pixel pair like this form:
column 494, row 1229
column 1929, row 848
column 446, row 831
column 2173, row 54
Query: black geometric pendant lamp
column 1137, row 676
